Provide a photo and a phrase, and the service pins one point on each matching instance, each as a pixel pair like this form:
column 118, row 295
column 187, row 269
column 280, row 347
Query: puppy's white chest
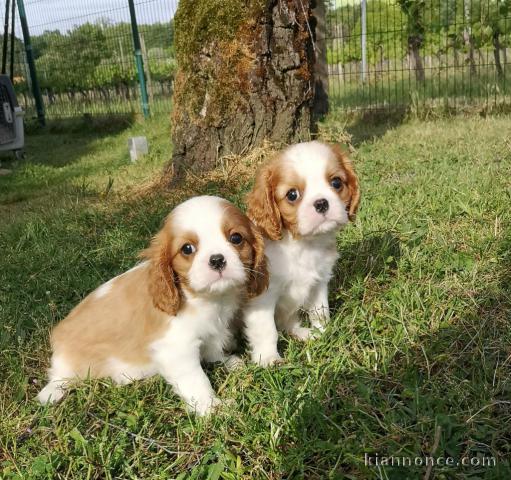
column 216, row 327
column 298, row 266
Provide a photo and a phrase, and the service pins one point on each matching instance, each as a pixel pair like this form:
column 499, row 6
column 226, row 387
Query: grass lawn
column 448, row 87
column 416, row 360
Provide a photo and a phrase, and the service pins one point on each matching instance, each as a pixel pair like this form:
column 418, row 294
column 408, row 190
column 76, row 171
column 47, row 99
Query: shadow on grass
column 443, row 394
column 101, row 125
column 371, row 124
column 54, row 155
column 368, row 257
column 63, row 141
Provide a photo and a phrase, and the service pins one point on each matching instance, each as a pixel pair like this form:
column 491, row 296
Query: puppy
column 170, row 311
column 300, row 200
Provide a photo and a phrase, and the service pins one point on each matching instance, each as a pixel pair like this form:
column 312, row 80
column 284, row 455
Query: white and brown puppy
column 300, row 200
column 170, row 311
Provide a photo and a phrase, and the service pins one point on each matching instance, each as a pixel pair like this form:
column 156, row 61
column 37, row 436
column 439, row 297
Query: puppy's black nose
column 321, row 205
column 217, row 262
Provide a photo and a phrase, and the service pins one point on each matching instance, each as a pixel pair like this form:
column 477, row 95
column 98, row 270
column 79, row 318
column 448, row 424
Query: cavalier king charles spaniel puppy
column 169, row 312
column 299, row 201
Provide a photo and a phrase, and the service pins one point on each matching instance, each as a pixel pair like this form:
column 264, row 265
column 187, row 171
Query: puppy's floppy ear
column 162, row 280
column 352, row 184
column 259, row 276
column 261, row 206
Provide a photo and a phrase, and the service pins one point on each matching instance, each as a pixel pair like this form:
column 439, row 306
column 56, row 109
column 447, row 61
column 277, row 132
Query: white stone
column 138, row 147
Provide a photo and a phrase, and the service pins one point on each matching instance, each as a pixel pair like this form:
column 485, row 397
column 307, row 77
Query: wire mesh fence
column 378, row 54
column 84, row 56
column 388, row 54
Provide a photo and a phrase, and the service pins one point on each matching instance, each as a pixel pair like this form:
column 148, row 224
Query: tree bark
column 414, row 12
column 470, row 55
column 467, row 38
column 414, row 44
column 245, row 75
column 496, row 54
column 321, row 61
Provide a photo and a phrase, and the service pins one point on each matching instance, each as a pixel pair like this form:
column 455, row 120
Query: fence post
column 363, row 40
column 138, row 59
column 13, row 37
column 147, row 70
column 6, row 31
column 31, row 64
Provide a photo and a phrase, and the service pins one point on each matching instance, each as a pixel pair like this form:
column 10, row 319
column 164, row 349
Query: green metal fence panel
column 377, row 55
column 84, row 56
column 30, row 61
column 421, row 54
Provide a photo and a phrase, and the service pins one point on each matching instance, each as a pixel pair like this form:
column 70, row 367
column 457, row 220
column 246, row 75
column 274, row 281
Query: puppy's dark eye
column 187, row 249
column 235, row 238
column 336, row 183
column 293, row 195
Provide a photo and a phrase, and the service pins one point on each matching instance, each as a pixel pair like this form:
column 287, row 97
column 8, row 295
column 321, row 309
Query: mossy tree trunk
column 245, row 74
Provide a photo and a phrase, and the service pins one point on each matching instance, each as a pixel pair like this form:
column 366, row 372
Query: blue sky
column 65, row 14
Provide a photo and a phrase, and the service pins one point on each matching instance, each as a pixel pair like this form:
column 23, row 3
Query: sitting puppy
column 170, row 311
column 300, row 200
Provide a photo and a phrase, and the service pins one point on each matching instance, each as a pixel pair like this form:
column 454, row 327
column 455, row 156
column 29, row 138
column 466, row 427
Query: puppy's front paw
column 265, row 359
column 233, row 362
column 204, row 406
column 302, row 333
column 318, row 328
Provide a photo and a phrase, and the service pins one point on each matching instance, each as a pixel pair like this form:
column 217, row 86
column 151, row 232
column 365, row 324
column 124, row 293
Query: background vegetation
column 457, row 50
column 420, row 51
column 93, row 63
column 394, row 28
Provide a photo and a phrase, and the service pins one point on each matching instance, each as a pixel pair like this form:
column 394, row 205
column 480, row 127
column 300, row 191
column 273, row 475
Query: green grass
column 64, row 107
column 448, row 87
column 419, row 345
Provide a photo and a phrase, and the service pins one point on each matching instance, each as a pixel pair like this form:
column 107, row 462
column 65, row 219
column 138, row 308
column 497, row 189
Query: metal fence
column 378, row 54
column 85, row 60
column 388, row 54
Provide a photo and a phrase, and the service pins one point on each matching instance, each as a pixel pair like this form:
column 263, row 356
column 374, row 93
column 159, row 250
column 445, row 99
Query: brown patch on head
column 250, row 250
column 288, row 180
column 163, row 282
column 350, row 191
column 268, row 206
column 261, row 205
column 181, row 263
